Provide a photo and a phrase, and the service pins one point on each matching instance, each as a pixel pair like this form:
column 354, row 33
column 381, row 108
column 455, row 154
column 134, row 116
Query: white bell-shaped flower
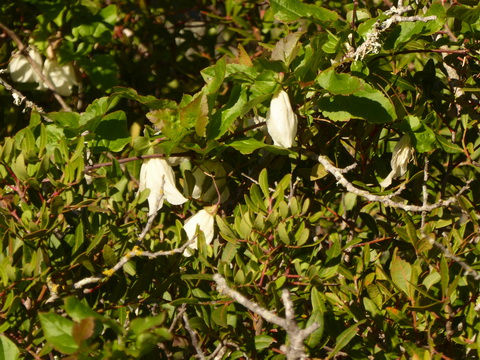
column 158, row 176
column 402, row 155
column 21, row 70
column 204, row 221
column 216, row 169
column 281, row 121
column 62, row 76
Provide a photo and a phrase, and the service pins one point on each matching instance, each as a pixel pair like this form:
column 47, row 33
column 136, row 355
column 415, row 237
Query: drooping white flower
column 402, row 155
column 204, row 221
column 21, row 70
column 281, row 121
column 216, row 169
column 158, row 176
column 62, row 76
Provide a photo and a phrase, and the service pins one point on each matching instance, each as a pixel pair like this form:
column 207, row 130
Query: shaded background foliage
column 367, row 273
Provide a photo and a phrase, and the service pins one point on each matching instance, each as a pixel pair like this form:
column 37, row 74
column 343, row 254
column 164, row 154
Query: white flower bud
column 63, row 77
column 402, row 155
column 158, row 176
column 204, row 221
column 281, row 121
column 20, row 69
column 216, row 169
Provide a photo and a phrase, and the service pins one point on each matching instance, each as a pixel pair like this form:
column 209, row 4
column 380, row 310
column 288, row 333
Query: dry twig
column 295, row 348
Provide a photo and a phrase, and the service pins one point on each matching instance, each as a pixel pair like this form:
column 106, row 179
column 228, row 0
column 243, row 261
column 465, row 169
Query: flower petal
column 158, row 176
column 282, row 122
column 204, row 220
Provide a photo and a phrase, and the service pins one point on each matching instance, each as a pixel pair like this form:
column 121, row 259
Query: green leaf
column 344, row 338
column 410, row 227
column 287, row 48
column 194, row 114
column 263, row 341
column 151, row 101
column 102, row 71
column 370, row 222
column 425, row 139
column 263, row 182
column 58, row 332
column 78, row 310
column 168, row 122
column 249, row 145
column 468, row 14
column 219, row 315
column 318, row 306
column 19, row 168
column 229, row 252
column 283, row 234
column 214, row 76
column 340, row 84
column 448, row 146
column 401, row 273
column 368, row 104
column 291, row 10
column 112, row 133
column 95, row 28
column 223, row 118
column 144, row 324
column 8, row 349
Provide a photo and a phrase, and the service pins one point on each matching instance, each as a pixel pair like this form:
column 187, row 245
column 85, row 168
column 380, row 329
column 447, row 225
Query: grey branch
column 193, row 336
column 386, row 200
column 19, row 99
column 424, row 195
column 136, row 251
column 295, row 349
column 372, row 44
column 468, row 269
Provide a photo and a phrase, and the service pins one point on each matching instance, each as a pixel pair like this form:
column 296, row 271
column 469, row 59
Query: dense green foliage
column 381, row 279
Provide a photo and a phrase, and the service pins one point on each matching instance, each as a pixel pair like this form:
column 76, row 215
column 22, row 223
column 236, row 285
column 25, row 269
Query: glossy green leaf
column 448, row 146
column 339, row 84
column 401, row 273
column 287, row 48
column 344, row 338
column 248, row 146
column 112, row 132
column 224, row 117
column 58, row 332
column 263, row 341
column 291, row 10
column 368, row 104
column 77, row 310
column 8, row 349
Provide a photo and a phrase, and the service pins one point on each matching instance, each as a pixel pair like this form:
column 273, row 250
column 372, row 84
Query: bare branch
column 468, row 269
column 372, row 44
column 193, row 336
column 53, row 288
column 386, row 200
column 19, row 99
column 136, row 251
column 295, row 349
column 424, row 195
